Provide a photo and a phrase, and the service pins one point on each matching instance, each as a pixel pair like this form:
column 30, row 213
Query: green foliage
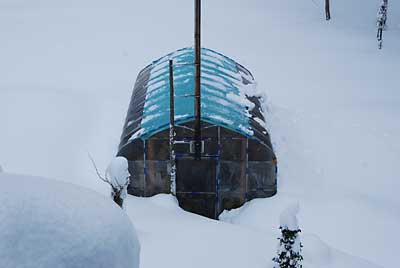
column 289, row 251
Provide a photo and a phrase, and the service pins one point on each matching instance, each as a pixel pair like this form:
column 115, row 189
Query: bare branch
column 97, row 171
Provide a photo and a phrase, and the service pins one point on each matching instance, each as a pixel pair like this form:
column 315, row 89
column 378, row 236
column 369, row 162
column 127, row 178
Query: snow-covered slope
column 67, row 69
column 45, row 223
column 171, row 237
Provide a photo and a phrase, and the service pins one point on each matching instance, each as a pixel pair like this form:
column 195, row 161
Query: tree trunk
column 117, row 199
column 327, row 10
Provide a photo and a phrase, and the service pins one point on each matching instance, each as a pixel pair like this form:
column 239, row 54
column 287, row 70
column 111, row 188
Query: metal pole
column 144, row 167
column 327, row 10
column 247, row 168
column 197, row 93
column 172, row 128
column 218, row 175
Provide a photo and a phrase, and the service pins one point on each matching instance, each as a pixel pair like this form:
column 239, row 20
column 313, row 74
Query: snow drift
column 66, row 74
column 47, row 223
column 170, row 233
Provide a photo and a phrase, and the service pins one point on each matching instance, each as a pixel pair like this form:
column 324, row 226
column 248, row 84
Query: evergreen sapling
column 289, row 248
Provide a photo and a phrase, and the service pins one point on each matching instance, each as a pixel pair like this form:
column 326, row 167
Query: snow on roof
column 225, row 90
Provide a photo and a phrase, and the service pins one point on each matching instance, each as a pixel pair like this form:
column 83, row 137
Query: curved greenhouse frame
column 238, row 162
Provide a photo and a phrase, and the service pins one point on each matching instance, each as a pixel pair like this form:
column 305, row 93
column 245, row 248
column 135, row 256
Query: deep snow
column 67, row 69
column 46, row 223
column 172, row 237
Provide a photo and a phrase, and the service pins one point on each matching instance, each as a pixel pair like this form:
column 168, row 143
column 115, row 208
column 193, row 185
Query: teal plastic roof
column 225, row 88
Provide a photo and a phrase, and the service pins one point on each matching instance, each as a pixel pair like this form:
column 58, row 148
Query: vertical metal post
column 218, row 175
column 172, row 129
column 385, row 4
column 144, row 167
column 327, row 10
column 197, row 93
column 247, row 168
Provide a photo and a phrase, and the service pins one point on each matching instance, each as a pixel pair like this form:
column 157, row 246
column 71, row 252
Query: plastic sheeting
column 228, row 96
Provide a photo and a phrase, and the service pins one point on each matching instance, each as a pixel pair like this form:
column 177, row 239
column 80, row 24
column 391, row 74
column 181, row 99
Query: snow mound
column 117, row 171
column 317, row 253
column 288, row 217
column 263, row 215
column 165, row 229
column 166, row 201
column 117, row 174
column 47, row 223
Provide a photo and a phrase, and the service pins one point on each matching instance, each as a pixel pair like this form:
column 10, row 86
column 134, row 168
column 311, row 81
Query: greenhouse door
column 195, row 185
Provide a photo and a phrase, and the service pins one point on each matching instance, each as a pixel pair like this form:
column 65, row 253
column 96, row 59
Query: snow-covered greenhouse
column 237, row 159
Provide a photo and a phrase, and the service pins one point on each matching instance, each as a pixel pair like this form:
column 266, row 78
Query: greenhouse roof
column 228, row 95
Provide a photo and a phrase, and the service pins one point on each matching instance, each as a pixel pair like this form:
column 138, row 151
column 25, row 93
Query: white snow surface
column 47, row 223
column 118, row 174
column 66, row 76
column 172, row 237
column 288, row 217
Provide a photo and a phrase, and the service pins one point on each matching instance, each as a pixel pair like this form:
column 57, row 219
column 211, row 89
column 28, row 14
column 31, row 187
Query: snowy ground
column 47, row 223
column 66, row 73
column 182, row 239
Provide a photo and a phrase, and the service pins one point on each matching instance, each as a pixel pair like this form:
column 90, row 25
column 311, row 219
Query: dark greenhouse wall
column 234, row 169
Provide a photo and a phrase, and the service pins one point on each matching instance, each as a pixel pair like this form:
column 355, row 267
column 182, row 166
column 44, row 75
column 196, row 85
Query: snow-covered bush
column 289, row 249
column 47, row 223
column 117, row 176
